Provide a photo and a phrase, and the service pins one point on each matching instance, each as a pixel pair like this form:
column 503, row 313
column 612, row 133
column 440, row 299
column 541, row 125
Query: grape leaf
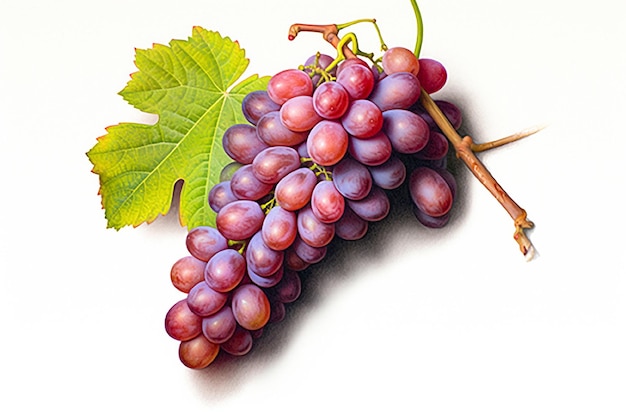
column 187, row 85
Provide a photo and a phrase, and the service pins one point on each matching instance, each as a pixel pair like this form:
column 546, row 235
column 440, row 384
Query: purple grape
column 351, row 226
column 312, row 231
column 256, row 104
column 220, row 195
column 197, row 353
column 399, row 90
column 181, row 323
column 327, row 202
column 294, row 191
column 273, row 163
column 274, row 133
column 241, row 142
column 225, row 270
column 203, row 242
column 389, row 175
column 240, row 219
column 220, row 326
column 430, row 192
column 203, row 300
column 371, row 151
column 436, row 148
column 251, row 307
column 240, row 343
column 187, row 272
column 352, row 179
column 372, row 208
column 363, row 119
column 289, row 83
column 279, row 228
column 262, row 259
column 246, row 186
column 331, row 100
column 298, row 114
column 408, row 132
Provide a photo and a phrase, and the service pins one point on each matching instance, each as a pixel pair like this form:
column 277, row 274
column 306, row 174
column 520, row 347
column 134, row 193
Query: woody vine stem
column 465, row 146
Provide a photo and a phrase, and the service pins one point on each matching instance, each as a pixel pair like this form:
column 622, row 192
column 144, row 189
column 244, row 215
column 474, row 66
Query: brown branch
column 464, row 151
column 329, row 32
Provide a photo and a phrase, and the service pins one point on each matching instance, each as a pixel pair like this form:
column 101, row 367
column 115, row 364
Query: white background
column 408, row 321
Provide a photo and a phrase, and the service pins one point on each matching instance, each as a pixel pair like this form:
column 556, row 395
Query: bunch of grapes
column 323, row 146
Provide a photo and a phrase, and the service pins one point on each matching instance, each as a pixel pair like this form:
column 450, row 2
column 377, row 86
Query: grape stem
column 465, row 150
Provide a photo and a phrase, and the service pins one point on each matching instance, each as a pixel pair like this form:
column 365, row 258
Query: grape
column 203, row 242
column 181, row 323
column 307, row 252
column 358, row 79
column 449, row 178
column 430, row 221
column 229, row 169
column 266, row 281
column 246, row 186
column 256, row 104
column 399, row 59
column 294, row 262
column 240, row 219
column 351, row 226
column 312, row 231
column 262, row 259
column 430, row 191
column 220, row 195
column 371, row 151
column 399, row 90
column 251, row 307
column 352, row 179
column 225, row 270
column 277, row 311
column 432, row 75
column 436, row 147
column 198, row 353
column 298, row 114
column 289, row 83
column 187, row 272
column 389, row 175
column 363, row 119
column 374, row 207
column 241, row 142
column 294, row 191
column 327, row 202
column 289, row 288
column 239, row 343
column 274, row 133
column 279, row 228
column 331, row 100
column 273, row 163
column 327, row 143
column 203, row 300
column 219, row 327
column 407, row 131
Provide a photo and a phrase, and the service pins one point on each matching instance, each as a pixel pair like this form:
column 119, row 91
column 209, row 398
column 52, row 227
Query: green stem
column 383, row 45
column 420, row 28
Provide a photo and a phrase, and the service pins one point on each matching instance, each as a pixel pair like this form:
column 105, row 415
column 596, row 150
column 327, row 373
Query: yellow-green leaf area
column 190, row 85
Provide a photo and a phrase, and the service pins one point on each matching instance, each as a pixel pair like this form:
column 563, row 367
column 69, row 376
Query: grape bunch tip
column 323, row 145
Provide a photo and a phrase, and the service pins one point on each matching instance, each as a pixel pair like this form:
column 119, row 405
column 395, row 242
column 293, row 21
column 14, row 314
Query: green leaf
column 188, row 84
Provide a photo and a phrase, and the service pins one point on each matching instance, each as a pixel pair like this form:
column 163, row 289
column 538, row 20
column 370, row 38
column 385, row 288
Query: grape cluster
column 315, row 162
